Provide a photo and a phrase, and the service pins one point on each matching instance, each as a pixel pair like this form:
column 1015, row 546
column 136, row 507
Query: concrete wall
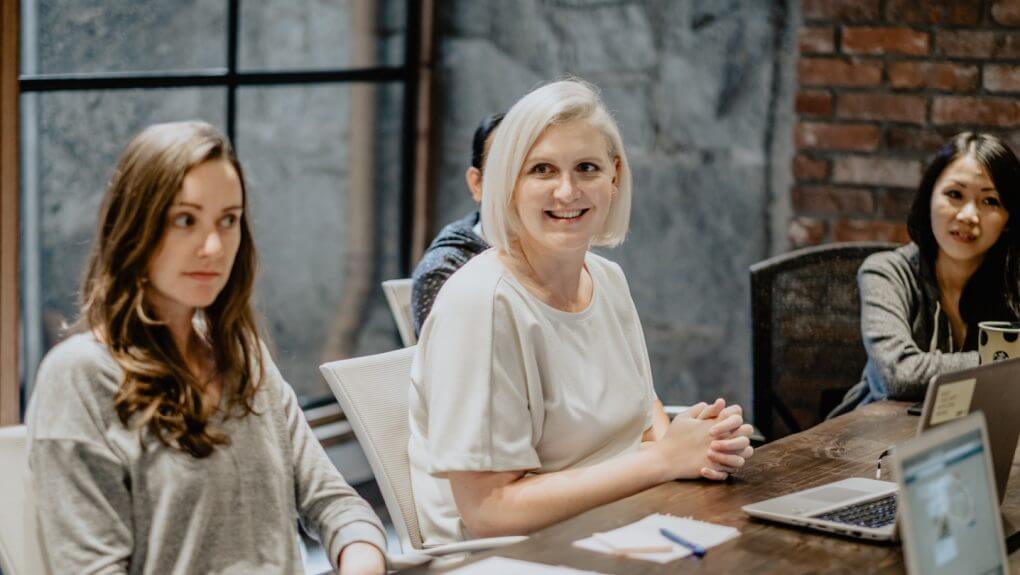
column 700, row 90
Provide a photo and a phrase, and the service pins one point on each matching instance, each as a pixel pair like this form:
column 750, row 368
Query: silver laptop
column 866, row 508
column 949, row 515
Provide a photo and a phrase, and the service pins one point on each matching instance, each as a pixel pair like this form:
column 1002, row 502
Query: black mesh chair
column 806, row 335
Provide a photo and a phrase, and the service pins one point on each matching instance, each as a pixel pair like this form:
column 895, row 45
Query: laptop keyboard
column 873, row 514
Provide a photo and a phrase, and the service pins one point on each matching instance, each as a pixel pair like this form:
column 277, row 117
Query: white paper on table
column 504, row 566
column 645, row 533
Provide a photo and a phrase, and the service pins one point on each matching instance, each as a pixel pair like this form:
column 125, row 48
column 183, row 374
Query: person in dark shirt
column 460, row 240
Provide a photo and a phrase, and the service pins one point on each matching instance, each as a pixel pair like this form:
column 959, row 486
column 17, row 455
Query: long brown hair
column 159, row 390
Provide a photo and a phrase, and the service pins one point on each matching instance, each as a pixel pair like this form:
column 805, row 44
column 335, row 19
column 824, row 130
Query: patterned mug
column 998, row 340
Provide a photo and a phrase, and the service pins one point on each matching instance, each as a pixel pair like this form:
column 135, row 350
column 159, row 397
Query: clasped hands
column 710, row 441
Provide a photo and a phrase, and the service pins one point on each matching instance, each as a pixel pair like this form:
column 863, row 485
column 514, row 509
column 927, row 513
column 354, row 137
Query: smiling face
column 203, row 232
column 565, row 188
column 967, row 214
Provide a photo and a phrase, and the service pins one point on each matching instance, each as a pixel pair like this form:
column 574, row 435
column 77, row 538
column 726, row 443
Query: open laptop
column 992, row 389
column 866, row 508
column 949, row 517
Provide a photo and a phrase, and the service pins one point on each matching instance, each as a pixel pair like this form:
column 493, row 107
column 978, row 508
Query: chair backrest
column 373, row 392
column 398, row 295
column 806, row 335
column 20, row 549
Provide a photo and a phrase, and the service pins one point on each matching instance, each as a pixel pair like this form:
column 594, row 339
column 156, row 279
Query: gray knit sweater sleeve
column 894, row 321
column 326, row 504
column 82, row 494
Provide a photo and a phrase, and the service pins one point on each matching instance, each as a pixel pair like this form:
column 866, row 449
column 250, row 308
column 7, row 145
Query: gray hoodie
column 905, row 332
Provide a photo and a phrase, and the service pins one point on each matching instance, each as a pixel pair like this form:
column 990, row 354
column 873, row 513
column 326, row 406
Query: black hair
column 487, row 125
column 993, row 292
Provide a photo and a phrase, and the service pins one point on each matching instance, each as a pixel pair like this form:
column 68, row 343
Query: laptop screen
column 952, row 509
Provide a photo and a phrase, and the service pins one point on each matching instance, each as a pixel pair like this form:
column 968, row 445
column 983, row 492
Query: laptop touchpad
column 833, row 494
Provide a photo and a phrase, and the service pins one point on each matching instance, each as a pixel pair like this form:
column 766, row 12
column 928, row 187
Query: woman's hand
column 729, row 445
column 360, row 558
column 683, row 449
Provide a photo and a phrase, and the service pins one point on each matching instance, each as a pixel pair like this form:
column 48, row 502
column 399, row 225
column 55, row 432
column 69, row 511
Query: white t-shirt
column 501, row 381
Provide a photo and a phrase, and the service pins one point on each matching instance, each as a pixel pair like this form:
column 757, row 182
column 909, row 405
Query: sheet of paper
column 952, row 400
column 504, row 566
column 645, row 533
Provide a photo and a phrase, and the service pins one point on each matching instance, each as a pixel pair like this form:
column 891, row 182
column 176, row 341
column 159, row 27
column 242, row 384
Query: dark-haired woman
column 163, row 438
column 921, row 303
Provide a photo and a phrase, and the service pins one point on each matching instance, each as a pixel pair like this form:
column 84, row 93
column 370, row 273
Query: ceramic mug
column 998, row 340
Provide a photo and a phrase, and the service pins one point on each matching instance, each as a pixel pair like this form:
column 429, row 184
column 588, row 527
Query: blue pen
column 696, row 549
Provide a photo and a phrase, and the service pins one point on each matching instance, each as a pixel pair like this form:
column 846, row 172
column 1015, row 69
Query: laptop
column 866, row 508
column 949, row 514
column 989, row 388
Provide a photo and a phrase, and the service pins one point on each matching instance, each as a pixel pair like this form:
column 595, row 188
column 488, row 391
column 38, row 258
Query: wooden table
column 848, row 446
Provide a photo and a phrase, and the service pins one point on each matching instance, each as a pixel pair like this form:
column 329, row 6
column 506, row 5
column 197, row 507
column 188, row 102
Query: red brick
column 934, row 11
column 914, row 139
column 806, row 168
column 853, row 137
column 839, row 72
column 806, row 232
column 861, row 40
column 843, row 10
column 833, row 200
column 814, row 103
column 893, row 107
column 1002, row 78
column 896, row 203
column 877, row 171
column 977, row 44
column 933, row 76
column 860, row 230
column 818, row 40
column 1006, row 12
column 986, row 111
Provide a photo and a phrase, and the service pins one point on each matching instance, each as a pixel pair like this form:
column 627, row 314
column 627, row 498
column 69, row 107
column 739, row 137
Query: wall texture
column 882, row 85
column 296, row 143
column 700, row 91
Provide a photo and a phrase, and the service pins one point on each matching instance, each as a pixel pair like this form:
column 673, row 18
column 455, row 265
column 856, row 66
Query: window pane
column 69, row 144
column 323, row 165
column 76, row 36
column 321, row 34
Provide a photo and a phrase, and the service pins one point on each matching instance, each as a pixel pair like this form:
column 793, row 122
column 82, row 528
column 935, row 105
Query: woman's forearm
column 493, row 504
column 509, row 502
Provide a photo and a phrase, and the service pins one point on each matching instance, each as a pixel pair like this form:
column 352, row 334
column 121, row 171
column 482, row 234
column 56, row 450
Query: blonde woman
column 532, row 397
column 163, row 439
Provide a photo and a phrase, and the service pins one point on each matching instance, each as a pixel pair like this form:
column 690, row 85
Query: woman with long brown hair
column 163, row 437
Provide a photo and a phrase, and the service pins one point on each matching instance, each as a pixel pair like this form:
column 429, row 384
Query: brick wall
column 881, row 84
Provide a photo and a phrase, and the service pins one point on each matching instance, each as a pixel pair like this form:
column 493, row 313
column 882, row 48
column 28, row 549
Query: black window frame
column 230, row 78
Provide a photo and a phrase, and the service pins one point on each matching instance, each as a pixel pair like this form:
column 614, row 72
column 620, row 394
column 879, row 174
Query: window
column 319, row 100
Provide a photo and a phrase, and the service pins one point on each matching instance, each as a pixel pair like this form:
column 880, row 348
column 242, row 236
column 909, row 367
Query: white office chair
column 373, row 392
column 398, row 295
column 20, row 546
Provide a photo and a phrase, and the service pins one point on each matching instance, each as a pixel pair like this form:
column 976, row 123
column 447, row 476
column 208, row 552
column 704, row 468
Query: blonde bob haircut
column 555, row 103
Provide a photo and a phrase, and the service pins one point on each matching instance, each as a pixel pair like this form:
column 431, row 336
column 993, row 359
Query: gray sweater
column 905, row 332
column 114, row 500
